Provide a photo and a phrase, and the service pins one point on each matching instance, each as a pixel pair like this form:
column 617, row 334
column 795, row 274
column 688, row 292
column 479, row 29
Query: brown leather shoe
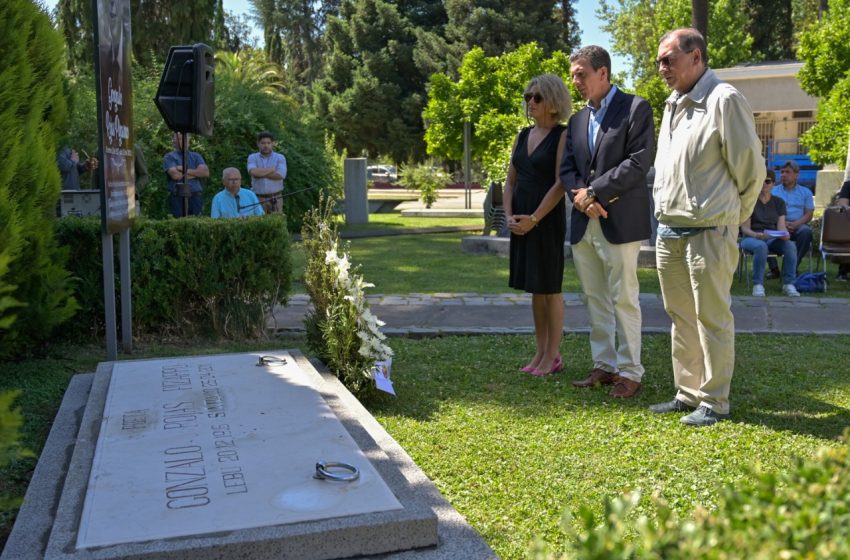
column 624, row 388
column 597, row 377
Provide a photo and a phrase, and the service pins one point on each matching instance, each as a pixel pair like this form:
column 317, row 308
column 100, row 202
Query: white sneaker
column 758, row 290
column 790, row 290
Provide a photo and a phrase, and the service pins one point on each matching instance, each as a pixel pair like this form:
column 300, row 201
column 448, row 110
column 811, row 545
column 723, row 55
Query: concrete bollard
column 356, row 200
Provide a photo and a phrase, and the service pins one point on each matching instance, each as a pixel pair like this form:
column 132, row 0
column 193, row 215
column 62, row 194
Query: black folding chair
column 835, row 235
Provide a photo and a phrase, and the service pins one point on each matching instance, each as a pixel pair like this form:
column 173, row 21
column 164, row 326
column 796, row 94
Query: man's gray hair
column 791, row 164
column 595, row 55
column 228, row 170
column 689, row 39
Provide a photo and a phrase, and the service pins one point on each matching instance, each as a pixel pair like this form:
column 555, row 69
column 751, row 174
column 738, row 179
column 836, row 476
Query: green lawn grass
column 391, row 221
column 511, row 452
column 427, row 263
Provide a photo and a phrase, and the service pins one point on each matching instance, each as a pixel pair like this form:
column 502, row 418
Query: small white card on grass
column 381, row 373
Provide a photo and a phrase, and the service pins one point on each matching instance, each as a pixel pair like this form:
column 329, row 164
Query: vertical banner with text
column 115, row 118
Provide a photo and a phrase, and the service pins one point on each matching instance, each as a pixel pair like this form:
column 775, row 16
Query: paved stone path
column 469, row 313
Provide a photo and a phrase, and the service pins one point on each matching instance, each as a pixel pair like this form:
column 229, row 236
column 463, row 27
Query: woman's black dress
column 537, row 258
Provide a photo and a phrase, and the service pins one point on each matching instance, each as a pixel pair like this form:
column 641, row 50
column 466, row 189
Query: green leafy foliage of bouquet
column 341, row 330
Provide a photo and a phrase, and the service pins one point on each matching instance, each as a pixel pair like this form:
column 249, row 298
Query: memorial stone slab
column 215, row 457
column 200, row 445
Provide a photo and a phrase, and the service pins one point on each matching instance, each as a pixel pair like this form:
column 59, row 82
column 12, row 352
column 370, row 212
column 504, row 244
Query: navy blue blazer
column 622, row 156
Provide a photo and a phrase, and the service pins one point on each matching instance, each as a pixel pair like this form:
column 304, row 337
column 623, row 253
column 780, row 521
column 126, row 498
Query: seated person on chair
column 765, row 232
column 800, row 208
column 233, row 201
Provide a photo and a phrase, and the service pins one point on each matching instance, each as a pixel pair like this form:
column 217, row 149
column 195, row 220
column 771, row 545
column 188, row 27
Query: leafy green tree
column 772, row 29
column 495, row 26
column 251, row 69
column 293, row 34
column 34, row 286
column 825, row 49
column 498, row 26
column 488, row 95
column 371, row 93
column 157, row 25
column 638, row 25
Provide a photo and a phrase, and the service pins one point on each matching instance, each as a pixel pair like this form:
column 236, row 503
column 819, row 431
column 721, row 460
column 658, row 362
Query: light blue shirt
column 263, row 185
column 225, row 205
column 797, row 201
column 596, row 116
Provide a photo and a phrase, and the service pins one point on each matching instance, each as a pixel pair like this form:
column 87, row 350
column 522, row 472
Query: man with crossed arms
column 608, row 153
column 267, row 169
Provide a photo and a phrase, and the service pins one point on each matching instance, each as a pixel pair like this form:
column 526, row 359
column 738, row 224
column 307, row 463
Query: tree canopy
column 825, row 50
column 371, row 93
column 638, row 25
column 488, row 94
column 157, row 25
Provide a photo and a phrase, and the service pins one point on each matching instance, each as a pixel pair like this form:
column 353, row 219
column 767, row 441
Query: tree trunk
column 699, row 16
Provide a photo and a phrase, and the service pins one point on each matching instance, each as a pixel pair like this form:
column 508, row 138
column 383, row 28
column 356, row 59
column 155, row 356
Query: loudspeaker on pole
column 186, row 94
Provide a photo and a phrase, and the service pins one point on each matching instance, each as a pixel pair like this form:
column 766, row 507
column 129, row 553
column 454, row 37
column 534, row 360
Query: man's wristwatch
column 590, row 193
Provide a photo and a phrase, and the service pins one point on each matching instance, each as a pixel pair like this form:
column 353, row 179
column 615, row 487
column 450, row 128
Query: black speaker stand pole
column 186, row 189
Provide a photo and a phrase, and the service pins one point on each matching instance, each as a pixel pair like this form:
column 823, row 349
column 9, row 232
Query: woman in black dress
column 537, row 239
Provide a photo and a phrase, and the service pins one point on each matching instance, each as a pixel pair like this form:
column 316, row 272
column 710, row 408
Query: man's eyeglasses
column 669, row 59
column 535, row 96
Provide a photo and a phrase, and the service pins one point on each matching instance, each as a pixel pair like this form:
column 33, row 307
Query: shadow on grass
column 786, row 383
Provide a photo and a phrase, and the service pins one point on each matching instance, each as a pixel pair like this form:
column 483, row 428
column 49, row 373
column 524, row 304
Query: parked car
column 383, row 173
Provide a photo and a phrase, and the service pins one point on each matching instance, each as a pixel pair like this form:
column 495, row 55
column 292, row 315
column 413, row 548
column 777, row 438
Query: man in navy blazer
column 609, row 150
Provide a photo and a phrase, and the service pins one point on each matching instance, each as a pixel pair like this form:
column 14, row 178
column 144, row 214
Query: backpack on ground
column 811, row 282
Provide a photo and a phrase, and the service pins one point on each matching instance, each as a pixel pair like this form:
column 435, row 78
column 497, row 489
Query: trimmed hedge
column 193, row 276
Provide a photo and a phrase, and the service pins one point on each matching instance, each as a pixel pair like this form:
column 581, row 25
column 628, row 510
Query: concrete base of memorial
column 214, row 457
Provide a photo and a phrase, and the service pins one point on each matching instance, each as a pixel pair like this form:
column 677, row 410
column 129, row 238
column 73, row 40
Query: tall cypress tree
column 34, row 286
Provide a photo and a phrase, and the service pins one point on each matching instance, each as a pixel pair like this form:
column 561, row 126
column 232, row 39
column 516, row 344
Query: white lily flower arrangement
column 341, row 330
column 373, row 344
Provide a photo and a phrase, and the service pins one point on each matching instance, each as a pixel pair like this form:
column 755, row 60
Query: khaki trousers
column 696, row 275
column 272, row 203
column 608, row 275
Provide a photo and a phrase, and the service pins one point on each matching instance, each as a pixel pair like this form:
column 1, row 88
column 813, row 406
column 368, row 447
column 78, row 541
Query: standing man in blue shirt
column 267, row 169
column 234, row 201
column 173, row 166
column 800, row 207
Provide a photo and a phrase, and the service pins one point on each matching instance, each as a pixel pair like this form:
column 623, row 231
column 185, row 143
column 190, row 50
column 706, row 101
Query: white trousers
column 696, row 274
column 608, row 275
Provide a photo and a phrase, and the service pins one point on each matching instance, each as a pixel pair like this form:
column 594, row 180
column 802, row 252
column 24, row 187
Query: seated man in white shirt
column 234, row 201
column 267, row 169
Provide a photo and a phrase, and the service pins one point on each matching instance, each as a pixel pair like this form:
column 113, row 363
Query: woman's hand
column 520, row 224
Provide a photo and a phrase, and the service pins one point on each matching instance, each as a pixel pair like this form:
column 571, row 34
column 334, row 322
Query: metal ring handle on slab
column 270, row 361
column 323, row 471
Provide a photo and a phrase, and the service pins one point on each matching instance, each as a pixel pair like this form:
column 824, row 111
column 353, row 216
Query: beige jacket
column 709, row 168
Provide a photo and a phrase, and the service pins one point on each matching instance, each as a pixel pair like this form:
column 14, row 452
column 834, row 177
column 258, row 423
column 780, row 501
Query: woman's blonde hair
column 556, row 96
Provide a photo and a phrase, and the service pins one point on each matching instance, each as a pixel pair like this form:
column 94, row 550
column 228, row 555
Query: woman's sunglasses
column 535, row 96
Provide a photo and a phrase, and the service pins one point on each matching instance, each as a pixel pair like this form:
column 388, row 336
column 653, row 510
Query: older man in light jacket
column 709, row 171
